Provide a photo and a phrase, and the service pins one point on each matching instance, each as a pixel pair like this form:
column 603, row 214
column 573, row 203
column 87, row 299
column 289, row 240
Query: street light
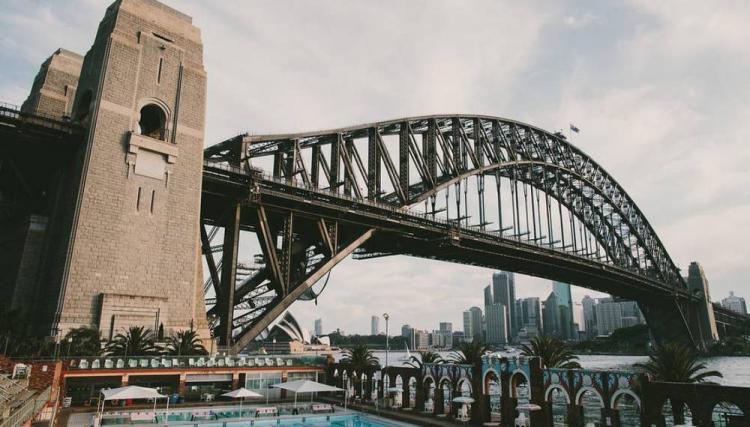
column 386, row 317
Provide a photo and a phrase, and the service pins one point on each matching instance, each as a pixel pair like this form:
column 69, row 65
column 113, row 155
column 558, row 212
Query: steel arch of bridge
column 426, row 156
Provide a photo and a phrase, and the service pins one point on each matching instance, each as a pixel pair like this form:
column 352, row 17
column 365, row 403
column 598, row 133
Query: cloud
column 580, row 21
column 659, row 92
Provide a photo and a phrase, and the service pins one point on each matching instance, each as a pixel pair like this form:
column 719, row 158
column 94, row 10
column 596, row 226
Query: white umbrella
column 394, row 390
column 242, row 393
column 132, row 392
column 305, row 386
column 464, row 399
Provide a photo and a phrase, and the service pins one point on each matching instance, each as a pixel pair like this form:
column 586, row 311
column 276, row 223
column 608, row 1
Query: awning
column 131, row 392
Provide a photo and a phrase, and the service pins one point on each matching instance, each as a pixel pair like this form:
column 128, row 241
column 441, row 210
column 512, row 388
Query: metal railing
column 13, row 113
column 28, row 410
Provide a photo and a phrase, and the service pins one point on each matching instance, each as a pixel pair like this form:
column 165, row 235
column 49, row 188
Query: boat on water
column 406, row 357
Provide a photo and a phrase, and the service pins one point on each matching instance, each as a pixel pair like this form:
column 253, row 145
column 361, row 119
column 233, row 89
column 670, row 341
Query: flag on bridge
column 574, row 129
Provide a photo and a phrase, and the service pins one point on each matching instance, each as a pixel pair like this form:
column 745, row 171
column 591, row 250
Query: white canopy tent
column 241, row 393
column 131, row 392
column 306, row 386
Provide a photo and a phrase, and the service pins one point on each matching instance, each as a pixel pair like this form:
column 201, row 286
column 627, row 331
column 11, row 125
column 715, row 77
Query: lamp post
column 386, row 317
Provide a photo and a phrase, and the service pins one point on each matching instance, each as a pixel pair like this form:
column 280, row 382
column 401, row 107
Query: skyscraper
column 497, row 329
column 488, row 296
column 374, row 325
column 318, row 327
column 530, row 315
column 551, row 316
column 565, row 304
column 473, row 323
column 406, row 331
column 612, row 314
column 446, row 327
column 734, row 303
column 589, row 316
column 504, row 292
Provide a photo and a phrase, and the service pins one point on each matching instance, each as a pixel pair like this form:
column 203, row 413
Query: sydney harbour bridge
column 109, row 205
column 404, row 187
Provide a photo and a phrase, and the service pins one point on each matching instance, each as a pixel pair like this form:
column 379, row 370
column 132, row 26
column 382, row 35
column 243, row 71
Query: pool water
column 311, row 421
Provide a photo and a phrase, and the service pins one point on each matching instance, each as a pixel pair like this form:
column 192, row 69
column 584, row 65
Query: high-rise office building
column 565, row 302
column 497, row 328
column 374, row 325
column 612, row 314
column 421, row 340
column 446, row 327
column 406, row 331
column 551, row 316
column 735, row 303
column 589, row 316
column 318, row 327
column 473, row 323
column 504, row 292
column 488, row 296
column 529, row 315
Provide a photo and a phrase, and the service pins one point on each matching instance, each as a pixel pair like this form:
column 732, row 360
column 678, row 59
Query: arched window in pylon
column 153, row 122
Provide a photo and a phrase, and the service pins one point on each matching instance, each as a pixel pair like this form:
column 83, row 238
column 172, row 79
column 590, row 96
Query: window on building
column 152, row 122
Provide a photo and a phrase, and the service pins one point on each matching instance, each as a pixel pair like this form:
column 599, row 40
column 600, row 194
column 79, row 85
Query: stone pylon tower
column 133, row 256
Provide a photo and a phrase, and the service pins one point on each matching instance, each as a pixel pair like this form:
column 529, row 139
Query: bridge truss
column 490, row 178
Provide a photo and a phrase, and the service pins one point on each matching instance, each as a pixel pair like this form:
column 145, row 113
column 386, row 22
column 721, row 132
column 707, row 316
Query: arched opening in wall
column 374, row 378
column 676, row 413
column 447, row 396
column 412, row 392
column 519, row 388
column 463, row 409
column 152, row 122
column 592, row 405
column 629, row 410
column 398, row 392
column 83, row 108
column 429, row 395
column 727, row 414
column 494, row 391
column 560, row 400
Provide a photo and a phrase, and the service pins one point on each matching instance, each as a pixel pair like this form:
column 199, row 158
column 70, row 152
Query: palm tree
column 136, row 341
column 83, row 341
column 470, row 353
column 424, row 357
column 185, row 343
column 676, row 363
column 359, row 359
column 553, row 352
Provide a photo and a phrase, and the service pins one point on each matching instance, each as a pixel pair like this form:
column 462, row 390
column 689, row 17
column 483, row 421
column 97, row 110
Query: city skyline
column 697, row 191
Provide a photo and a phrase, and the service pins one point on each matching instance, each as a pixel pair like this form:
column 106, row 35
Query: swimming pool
column 344, row 420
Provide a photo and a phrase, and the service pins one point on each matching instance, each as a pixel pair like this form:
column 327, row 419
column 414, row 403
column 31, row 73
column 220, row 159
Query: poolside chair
column 250, row 362
column 83, row 364
column 176, row 363
column 229, row 361
column 166, row 363
column 241, row 361
column 143, row 363
column 201, row 362
column 108, row 364
column 289, row 362
column 221, row 362
column 259, row 361
column 269, row 361
column 279, row 361
column 191, row 362
column 120, row 364
column 154, row 363
column 95, row 364
column 211, row 362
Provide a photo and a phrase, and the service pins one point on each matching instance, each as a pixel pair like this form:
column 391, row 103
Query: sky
column 660, row 94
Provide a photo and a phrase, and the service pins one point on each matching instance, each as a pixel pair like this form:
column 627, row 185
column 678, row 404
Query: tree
column 676, row 363
column 470, row 353
column 185, row 343
column 424, row 357
column 553, row 352
column 83, row 341
column 359, row 359
column 136, row 341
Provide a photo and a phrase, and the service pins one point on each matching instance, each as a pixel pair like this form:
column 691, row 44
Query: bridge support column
column 405, row 395
column 225, row 300
column 486, row 413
